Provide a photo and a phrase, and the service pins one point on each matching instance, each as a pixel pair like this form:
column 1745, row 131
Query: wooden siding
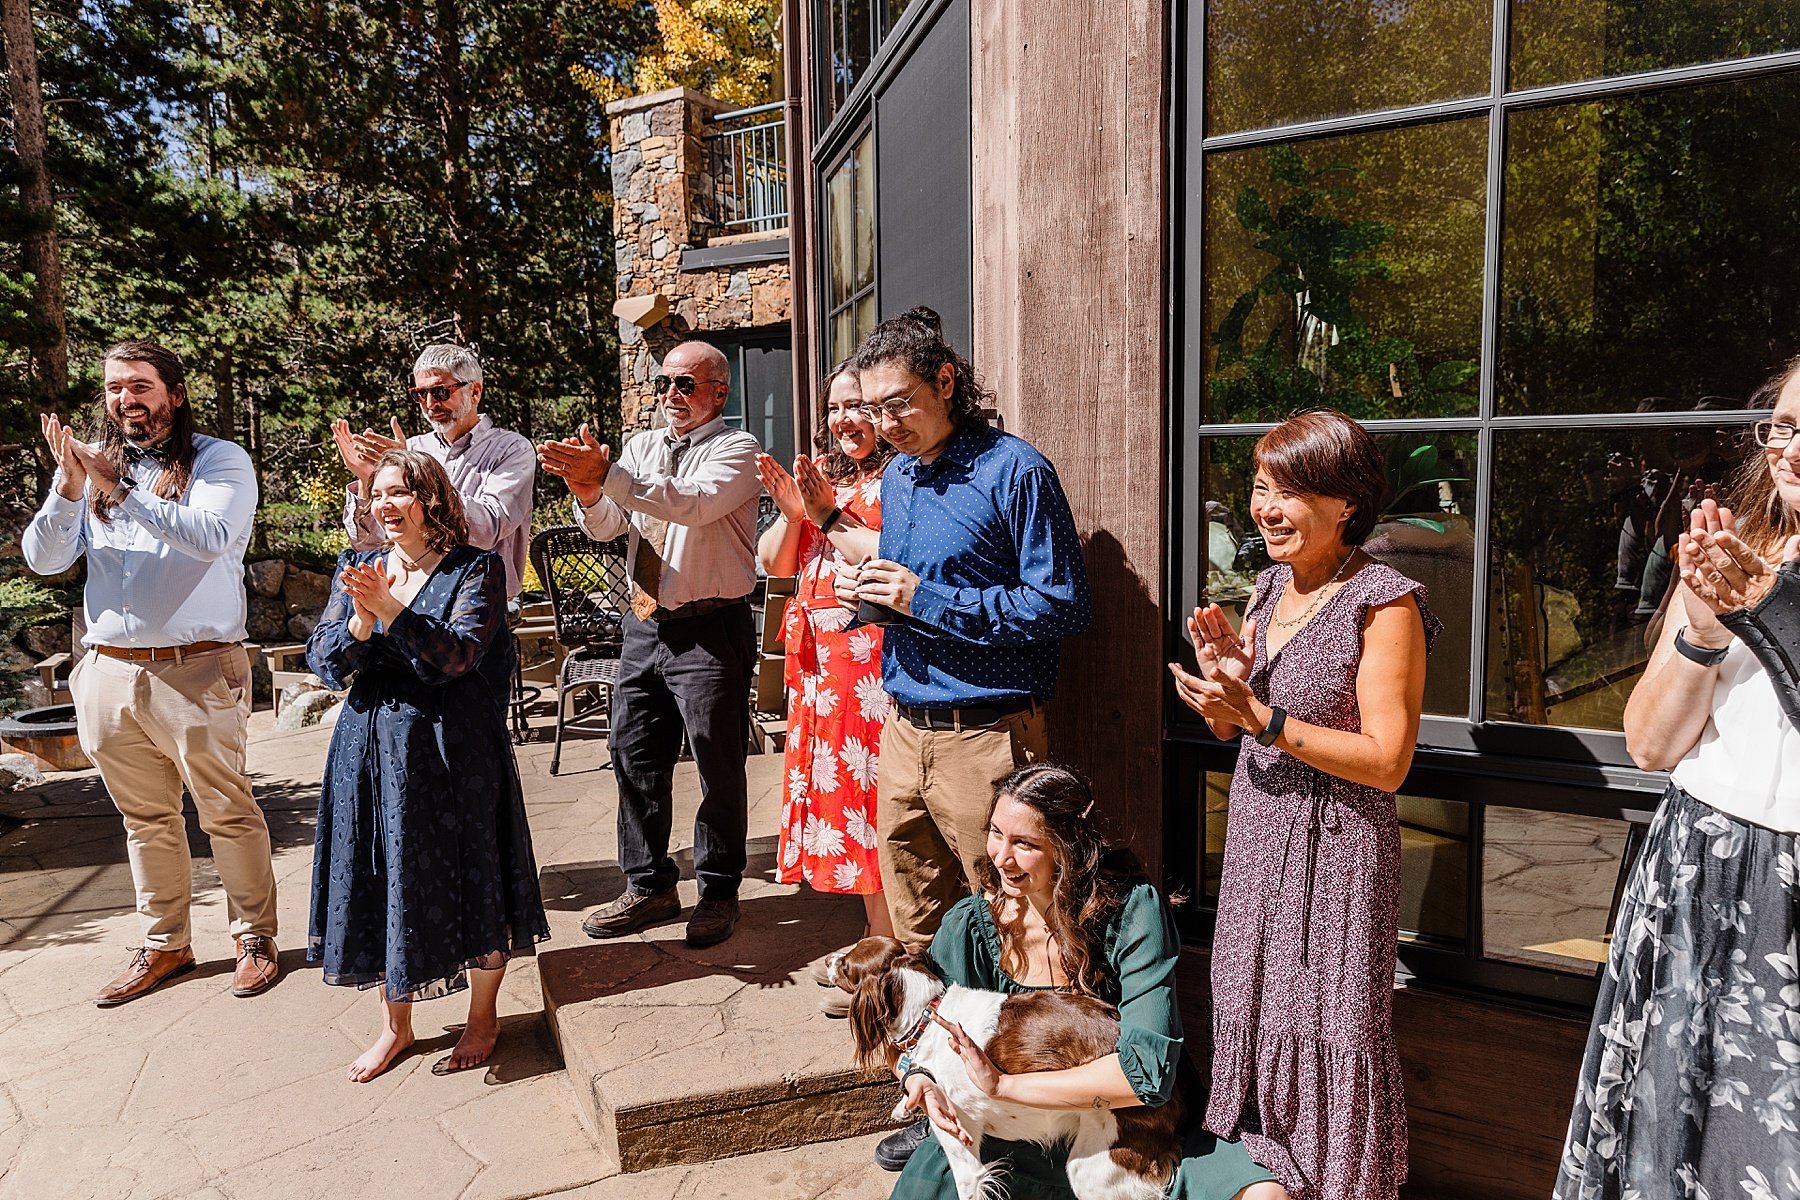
column 1488, row 1088
column 1069, row 134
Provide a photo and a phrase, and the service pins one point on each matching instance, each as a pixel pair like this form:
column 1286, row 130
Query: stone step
column 679, row 1055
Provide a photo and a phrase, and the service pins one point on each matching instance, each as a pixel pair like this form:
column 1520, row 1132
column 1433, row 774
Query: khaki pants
column 935, row 789
column 153, row 728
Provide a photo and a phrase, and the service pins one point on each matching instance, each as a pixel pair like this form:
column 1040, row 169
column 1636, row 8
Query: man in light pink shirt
column 492, row 469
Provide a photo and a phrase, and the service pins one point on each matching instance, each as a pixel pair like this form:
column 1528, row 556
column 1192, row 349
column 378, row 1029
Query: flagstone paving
column 192, row 1093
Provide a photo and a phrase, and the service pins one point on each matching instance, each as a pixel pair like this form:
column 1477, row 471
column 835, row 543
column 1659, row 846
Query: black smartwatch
column 831, row 518
column 1700, row 654
column 1271, row 731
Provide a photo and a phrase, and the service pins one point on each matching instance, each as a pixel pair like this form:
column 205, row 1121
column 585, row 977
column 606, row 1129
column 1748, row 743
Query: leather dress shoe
column 712, row 922
column 149, row 970
column 892, row 1151
column 631, row 912
column 835, row 1003
column 257, row 965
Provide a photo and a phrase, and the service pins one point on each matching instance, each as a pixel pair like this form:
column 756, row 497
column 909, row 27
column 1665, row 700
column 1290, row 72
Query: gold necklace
column 1318, row 597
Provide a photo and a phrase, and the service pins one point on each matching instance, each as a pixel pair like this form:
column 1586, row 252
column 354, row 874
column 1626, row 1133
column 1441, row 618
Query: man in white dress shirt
column 492, row 469
column 688, row 494
column 162, row 690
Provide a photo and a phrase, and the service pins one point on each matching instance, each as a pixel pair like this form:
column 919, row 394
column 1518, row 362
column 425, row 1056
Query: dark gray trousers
column 691, row 673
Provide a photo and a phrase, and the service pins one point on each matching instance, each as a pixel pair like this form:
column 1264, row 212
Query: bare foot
column 474, row 1046
column 379, row 1057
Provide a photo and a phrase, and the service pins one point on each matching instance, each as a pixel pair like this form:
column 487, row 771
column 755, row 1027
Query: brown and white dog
column 1123, row 1154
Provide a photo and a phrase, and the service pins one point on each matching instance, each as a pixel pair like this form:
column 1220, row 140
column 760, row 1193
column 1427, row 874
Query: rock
column 739, row 285
column 35, row 695
column 18, row 772
column 45, row 640
column 634, row 127
column 265, row 577
column 306, row 591
column 308, row 708
column 624, row 164
column 301, row 625
column 661, row 248
column 267, row 618
column 301, row 687
column 14, row 659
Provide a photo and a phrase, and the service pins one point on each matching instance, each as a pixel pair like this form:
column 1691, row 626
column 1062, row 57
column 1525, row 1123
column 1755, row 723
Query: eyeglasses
column 685, row 384
column 1773, row 435
column 437, row 394
column 893, row 410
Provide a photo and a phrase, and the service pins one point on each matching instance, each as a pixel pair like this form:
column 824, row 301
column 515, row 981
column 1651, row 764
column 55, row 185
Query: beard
column 148, row 429
column 460, row 413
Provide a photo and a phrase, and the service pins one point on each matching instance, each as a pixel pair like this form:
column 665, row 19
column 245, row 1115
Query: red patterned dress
column 836, row 708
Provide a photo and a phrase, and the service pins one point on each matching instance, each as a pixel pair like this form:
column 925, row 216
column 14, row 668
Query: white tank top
column 1747, row 762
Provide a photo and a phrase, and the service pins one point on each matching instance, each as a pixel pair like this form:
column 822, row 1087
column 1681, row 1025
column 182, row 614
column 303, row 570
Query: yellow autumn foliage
column 730, row 49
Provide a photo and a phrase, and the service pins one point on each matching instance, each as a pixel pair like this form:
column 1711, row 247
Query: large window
column 850, row 249
column 850, row 35
column 1547, row 267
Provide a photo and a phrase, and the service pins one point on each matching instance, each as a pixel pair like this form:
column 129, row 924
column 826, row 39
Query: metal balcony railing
column 747, row 186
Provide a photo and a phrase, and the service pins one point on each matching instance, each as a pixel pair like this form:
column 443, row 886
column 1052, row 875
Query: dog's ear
column 874, row 1011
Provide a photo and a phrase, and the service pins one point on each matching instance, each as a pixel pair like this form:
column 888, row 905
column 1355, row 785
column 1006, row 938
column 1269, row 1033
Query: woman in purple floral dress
column 1323, row 689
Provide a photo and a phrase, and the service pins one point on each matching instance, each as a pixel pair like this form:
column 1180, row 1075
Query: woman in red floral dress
column 831, row 514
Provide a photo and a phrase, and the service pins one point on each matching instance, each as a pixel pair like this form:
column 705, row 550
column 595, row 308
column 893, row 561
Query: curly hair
column 915, row 339
column 439, row 505
column 1092, row 874
column 175, row 456
column 839, row 467
column 1764, row 522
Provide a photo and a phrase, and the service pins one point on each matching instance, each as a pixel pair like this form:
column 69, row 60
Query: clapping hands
column 1720, row 569
column 581, row 461
column 1221, row 691
column 361, row 451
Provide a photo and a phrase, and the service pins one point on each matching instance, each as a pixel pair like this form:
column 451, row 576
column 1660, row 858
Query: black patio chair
column 590, row 593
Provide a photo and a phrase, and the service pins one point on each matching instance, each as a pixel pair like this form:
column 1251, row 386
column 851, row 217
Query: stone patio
column 192, row 1093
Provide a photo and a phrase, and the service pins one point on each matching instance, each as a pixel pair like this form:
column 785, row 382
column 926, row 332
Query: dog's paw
column 901, row 1112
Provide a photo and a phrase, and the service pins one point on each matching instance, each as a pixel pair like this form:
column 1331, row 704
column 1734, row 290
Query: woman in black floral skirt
column 1691, row 1083
column 423, row 876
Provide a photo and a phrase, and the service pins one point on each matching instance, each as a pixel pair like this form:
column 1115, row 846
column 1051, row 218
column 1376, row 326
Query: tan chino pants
column 934, row 791
column 153, row 728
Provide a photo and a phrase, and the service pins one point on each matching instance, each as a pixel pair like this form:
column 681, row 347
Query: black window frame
column 1549, row 768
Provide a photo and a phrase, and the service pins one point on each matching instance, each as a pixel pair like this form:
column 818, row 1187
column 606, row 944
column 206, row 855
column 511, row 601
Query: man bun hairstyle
column 915, row 339
column 1323, row 452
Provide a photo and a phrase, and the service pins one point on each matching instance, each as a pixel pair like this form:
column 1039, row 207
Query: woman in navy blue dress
column 423, row 877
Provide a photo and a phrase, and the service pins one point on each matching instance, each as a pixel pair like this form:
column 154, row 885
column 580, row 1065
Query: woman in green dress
column 1059, row 908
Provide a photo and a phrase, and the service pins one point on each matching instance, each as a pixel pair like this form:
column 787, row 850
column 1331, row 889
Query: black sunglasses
column 437, row 394
column 685, row 384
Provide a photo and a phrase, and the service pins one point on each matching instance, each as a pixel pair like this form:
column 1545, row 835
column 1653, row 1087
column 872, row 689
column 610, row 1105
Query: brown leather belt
column 162, row 653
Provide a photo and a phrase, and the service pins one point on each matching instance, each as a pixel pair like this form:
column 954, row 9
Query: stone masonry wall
column 660, row 166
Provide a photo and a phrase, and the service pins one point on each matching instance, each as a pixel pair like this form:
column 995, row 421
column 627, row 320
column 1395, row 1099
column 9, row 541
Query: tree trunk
column 225, row 383
column 40, row 253
column 453, row 127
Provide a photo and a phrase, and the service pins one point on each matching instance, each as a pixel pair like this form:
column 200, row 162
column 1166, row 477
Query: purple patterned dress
column 1304, row 1069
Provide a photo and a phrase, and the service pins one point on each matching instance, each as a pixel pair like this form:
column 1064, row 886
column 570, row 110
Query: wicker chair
column 589, row 594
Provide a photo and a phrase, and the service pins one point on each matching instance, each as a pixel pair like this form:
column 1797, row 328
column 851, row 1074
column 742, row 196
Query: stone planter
column 46, row 736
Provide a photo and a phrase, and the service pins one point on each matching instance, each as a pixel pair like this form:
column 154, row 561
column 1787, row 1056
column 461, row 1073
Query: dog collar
column 911, row 1037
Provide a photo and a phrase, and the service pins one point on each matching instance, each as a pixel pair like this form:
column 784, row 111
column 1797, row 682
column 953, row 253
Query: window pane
column 852, row 33
column 1646, row 252
column 1550, row 886
column 1426, row 534
column 1346, row 272
column 1560, row 41
column 843, row 335
column 1434, row 862
column 865, row 211
column 850, row 222
column 1584, row 525
column 895, row 10
column 1272, row 62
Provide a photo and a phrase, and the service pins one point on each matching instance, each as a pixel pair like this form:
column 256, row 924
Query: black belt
column 968, row 716
column 695, row 608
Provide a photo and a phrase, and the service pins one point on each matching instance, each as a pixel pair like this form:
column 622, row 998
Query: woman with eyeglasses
column 1691, row 1082
column 831, row 515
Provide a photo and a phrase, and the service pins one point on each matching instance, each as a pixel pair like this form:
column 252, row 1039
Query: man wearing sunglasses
column 493, row 469
column 687, row 494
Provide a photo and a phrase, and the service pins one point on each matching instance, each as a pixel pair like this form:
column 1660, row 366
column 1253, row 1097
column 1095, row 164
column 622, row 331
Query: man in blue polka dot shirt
column 981, row 574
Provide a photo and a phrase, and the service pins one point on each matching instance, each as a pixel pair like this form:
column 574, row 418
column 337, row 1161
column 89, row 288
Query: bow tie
column 136, row 454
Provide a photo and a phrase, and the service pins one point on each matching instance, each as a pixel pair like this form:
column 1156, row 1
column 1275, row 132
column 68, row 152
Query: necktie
column 653, row 537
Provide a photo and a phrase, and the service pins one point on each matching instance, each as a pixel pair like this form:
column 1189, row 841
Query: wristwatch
column 121, row 489
column 1271, row 731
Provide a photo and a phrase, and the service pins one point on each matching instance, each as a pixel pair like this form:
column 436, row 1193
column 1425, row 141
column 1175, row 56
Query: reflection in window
column 850, row 249
column 849, row 31
column 1584, row 527
column 1346, row 273
column 1562, row 41
column 1646, row 250
column 1550, row 886
column 1273, row 62
column 1434, row 862
column 1426, row 534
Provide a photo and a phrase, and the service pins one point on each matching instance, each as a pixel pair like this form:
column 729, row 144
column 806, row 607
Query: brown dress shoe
column 712, row 922
column 631, row 912
column 149, row 970
column 257, row 966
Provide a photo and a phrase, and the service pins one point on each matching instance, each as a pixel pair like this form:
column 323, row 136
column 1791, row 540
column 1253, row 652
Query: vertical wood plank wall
column 1069, row 102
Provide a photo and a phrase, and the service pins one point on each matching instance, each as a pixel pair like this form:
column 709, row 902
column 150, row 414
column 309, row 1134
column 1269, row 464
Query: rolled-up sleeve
column 1144, row 955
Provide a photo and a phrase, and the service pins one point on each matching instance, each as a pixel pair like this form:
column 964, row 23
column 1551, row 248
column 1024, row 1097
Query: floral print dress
column 836, row 708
